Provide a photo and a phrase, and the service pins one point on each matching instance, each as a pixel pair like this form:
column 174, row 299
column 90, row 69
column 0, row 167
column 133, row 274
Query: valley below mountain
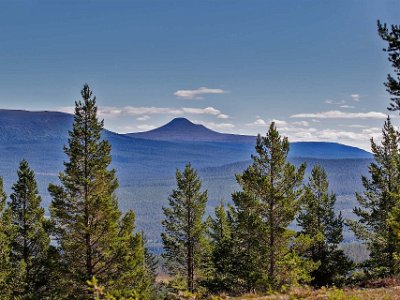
column 146, row 162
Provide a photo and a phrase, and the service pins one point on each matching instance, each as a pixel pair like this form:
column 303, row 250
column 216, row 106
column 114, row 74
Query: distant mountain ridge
column 181, row 129
column 38, row 126
column 146, row 162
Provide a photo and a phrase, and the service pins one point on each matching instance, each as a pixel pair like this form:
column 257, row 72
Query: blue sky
column 316, row 67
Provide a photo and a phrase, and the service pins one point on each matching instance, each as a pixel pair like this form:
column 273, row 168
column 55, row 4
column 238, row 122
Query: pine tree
column 318, row 221
column 184, row 227
column 5, row 245
column 94, row 240
column 376, row 203
column 30, row 240
column 266, row 206
column 392, row 38
column 223, row 258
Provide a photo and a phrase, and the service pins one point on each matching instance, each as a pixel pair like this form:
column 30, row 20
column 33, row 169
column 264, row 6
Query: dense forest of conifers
column 88, row 250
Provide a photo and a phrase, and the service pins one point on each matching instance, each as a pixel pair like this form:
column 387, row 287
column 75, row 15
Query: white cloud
column 346, row 106
column 66, row 109
column 355, row 138
column 333, row 102
column 220, row 125
column 372, row 130
column 216, row 126
column 257, row 122
column 356, row 135
column 126, row 129
column 143, row 118
column 201, row 111
column 355, row 126
column 109, row 111
column 301, row 123
column 336, row 114
column 279, row 122
column 144, row 112
column 145, row 127
column 222, row 116
column 355, row 97
column 197, row 93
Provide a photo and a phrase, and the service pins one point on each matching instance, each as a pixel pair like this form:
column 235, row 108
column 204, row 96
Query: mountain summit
column 181, row 129
column 183, row 126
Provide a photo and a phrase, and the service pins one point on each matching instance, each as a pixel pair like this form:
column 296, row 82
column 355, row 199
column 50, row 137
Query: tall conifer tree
column 5, row 245
column 376, row 203
column 30, row 240
column 392, row 37
column 94, row 240
column 223, row 255
column 184, row 227
column 267, row 204
column 318, row 220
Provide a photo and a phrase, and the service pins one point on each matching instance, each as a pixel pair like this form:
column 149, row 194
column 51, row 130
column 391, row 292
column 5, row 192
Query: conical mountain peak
column 181, row 123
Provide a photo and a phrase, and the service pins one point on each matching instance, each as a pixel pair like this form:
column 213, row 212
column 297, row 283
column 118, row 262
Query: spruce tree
column 95, row 241
column 5, row 246
column 223, row 256
column 184, row 228
column 266, row 206
column 30, row 243
column 317, row 220
column 378, row 200
column 392, row 37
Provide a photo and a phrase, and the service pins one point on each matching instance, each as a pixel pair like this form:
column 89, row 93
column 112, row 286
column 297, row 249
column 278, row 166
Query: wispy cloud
column 145, row 112
column 301, row 123
column 359, row 138
column 333, row 102
column 142, row 110
column 143, row 118
column 216, row 126
column 346, row 106
column 66, row 109
column 257, row 122
column 279, row 123
column 201, row 111
column 336, row 114
column 222, row 116
column 197, row 93
column 355, row 126
column 355, row 97
column 145, row 127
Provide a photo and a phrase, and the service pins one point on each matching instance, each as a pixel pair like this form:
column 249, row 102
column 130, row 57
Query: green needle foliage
column 392, row 37
column 318, row 221
column 95, row 241
column 30, row 243
column 376, row 203
column 184, row 235
column 223, row 256
column 379, row 206
column 266, row 206
column 5, row 245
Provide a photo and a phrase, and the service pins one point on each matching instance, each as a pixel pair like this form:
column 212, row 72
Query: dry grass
column 331, row 294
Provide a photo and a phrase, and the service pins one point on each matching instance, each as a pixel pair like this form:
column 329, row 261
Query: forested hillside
column 146, row 167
